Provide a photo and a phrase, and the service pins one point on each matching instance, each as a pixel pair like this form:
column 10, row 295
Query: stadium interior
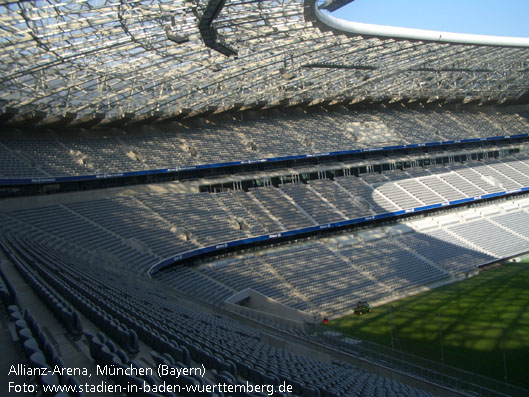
column 202, row 184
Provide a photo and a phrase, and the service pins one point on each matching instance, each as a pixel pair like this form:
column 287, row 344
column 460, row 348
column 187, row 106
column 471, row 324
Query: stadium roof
column 81, row 62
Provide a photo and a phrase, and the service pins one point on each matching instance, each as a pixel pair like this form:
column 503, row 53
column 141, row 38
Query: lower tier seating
column 181, row 337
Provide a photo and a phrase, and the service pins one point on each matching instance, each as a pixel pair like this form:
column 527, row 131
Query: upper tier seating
column 275, row 136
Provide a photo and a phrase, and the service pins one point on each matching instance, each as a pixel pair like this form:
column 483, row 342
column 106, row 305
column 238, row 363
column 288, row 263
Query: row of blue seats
column 105, row 353
column 64, row 312
column 38, row 350
column 7, row 292
column 41, row 354
column 96, row 308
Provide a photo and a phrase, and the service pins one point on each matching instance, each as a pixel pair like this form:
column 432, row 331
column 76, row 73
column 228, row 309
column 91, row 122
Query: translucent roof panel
column 150, row 57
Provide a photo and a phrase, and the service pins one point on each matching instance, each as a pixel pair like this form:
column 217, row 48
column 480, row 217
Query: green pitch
column 473, row 313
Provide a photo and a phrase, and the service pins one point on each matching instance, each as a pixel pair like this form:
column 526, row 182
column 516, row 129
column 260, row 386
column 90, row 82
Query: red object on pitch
column 325, row 321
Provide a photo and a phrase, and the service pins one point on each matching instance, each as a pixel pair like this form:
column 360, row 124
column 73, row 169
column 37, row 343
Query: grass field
column 472, row 313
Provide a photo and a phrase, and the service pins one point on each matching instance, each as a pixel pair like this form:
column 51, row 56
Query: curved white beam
column 383, row 31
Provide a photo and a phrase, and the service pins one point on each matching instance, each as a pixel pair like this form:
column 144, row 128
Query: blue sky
column 493, row 17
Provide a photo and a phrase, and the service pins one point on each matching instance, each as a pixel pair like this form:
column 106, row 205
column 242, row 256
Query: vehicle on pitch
column 362, row 307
